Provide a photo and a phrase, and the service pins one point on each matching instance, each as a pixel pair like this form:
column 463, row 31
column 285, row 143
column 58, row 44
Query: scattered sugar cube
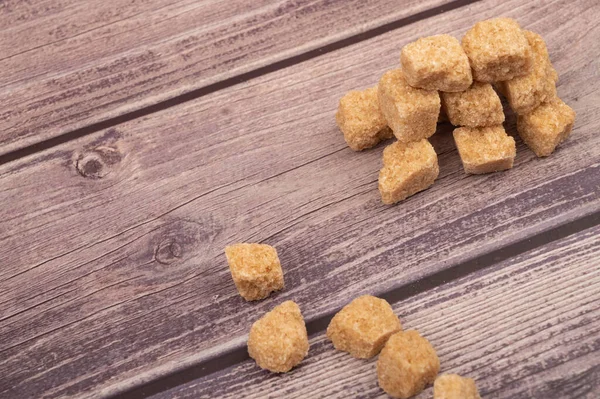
column 453, row 386
column 407, row 364
column 525, row 93
column 498, row 50
column 436, row 63
column 278, row 341
column 407, row 169
column 477, row 106
column 546, row 126
column 360, row 119
column 485, row 149
column 411, row 113
column 363, row 326
column 255, row 269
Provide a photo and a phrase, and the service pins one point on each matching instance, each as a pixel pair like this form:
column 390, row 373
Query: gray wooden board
column 98, row 298
column 66, row 64
column 528, row 327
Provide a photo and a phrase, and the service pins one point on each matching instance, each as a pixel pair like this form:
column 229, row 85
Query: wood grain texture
column 525, row 328
column 65, row 64
column 96, row 300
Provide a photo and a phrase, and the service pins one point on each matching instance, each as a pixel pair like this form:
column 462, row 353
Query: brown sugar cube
column 546, row 126
column 407, row 169
column 359, row 118
column 278, row 341
column 255, row 269
column 436, row 63
column 525, row 93
column 453, row 386
column 485, row 149
column 477, row 106
column 363, row 326
column 406, row 364
column 411, row 113
column 497, row 49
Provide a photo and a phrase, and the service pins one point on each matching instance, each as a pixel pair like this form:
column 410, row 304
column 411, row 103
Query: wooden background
column 137, row 139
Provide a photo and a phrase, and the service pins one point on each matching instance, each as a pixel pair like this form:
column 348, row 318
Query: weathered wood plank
column 94, row 301
column 65, row 64
column 527, row 328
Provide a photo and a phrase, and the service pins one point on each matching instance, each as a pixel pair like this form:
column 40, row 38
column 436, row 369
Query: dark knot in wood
column 97, row 163
column 168, row 252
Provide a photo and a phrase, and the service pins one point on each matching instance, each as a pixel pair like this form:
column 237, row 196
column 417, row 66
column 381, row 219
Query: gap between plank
column 397, row 294
column 226, row 83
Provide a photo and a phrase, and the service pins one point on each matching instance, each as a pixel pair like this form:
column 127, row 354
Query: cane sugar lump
column 525, row 93
column 477, row 106
column 436, row 63
column 485, row 149
column 360, row 119
column 363, row 326
column 255, row 269
column 278, row 341
column 407, row 169
column 411, row 113
column 453, row 386
column 407, row 364
column 546, row 126
column 498, row 50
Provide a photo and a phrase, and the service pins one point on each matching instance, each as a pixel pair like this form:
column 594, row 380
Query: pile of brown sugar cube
column 440, row 78
column 443, row 78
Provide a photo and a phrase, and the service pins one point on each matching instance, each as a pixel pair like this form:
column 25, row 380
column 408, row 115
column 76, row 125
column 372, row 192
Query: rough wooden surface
column 525, row 328
column 65, row 64
column 115, row 241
